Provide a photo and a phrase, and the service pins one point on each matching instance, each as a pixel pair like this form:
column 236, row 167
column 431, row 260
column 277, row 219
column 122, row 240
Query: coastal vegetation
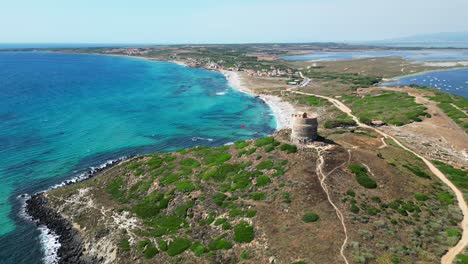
column 393, row 108
column 354, row 79
column 454, row 106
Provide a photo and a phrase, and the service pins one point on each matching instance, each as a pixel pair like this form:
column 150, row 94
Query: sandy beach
column 281, row 109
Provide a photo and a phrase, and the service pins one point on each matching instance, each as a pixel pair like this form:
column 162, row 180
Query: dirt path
column 461, row 110
column 449, row 257
column 322, row 177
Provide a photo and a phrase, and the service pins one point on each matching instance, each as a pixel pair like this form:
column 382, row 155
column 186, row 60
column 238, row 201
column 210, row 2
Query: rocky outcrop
column 71, row 249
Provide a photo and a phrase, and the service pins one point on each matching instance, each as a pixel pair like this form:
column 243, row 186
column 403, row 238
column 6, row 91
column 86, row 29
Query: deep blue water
column 62, row 113
column 451, row 81
column 415, row 55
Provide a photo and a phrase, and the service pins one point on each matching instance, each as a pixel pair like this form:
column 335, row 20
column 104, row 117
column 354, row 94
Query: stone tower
column 304, row 128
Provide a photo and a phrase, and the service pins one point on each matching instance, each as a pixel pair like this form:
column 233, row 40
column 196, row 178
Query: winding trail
column 461, row 110
column 451, row 254
column 322, row 177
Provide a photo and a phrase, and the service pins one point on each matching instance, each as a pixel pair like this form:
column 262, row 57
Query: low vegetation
column 362, row 176
column 393, row 108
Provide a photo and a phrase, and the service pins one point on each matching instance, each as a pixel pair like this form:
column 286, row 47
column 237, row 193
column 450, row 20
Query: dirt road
column 449, row 257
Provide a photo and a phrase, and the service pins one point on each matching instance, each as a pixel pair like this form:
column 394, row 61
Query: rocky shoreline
column 71, row 247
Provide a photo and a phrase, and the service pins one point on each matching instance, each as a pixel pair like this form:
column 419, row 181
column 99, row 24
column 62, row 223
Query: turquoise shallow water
column 62, row 113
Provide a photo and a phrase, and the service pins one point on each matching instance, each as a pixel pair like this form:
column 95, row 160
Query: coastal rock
column 71, row 249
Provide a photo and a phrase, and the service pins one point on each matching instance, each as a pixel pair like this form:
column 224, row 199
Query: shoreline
column 282, row 110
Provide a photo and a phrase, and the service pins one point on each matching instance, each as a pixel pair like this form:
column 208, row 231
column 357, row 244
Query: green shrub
column 461, row 259
column 167, row 179
column 445, row 197
column 354, row 209
column 134, row 165
column 269, row 148
column 351, row 193
column 142, row 244
column 329, row 124
column 218, row 198
column 459, row 177
column 124, row 245
column 222, row 172
column 251, row 213
column 421, row 197
column 185, row 186
column 310, row 217
column 453, row 232
column 265, row 165
column 263, row 180
column 177, row 246
column 264, row 141
column 150, row 251
column 361, row 176
column 417, row 171
column 286, row 197
column 244, row 254
column 299, row 262
column 114, row 188
column 236, row 212
column 288, row 148
column 216, row 158
column 151, row 205
column 219, row 244
column 243, row 232
column 166, row 224
column 181, row 210
column 258, row 196
column 154, row 163
column 220, row 221
column 190, row 162
column 198, row 248
column 241, row 144
column 162, row 245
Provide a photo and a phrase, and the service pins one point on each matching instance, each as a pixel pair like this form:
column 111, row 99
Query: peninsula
column 385, row 181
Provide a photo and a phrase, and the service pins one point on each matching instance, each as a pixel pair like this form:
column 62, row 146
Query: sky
column 222, row 21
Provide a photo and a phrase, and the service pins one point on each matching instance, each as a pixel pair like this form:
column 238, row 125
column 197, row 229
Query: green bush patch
column 310, row 217
column 243, row 232
column 417, row 171
column 288, row 148
column 263, row 180
column 445, row 197
column 421, row 197
column 265, row 165
column 190, row 162
column 150, row 251
column 198, row 248
column 219, row 244
column 361, row 176
column 124, row 245
column 177, row 246
column 185, row 186
column 264, row 141
column 258, row 196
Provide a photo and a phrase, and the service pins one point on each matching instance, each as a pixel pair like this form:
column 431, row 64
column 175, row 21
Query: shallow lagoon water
column 453, row 81
column 414, row 55
column 62, row 113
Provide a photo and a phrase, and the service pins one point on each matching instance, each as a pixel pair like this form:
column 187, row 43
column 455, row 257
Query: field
column 393, row 108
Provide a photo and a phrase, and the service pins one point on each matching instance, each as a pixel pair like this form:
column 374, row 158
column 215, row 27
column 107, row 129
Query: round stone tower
column 304, row 128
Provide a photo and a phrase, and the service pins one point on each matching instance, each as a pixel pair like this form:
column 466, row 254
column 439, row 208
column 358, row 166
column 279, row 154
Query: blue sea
column 453, row 81
column 63, row 113
column 414, row 55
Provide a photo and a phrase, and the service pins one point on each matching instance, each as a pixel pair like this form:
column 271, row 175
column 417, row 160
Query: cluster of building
column 127, row 51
